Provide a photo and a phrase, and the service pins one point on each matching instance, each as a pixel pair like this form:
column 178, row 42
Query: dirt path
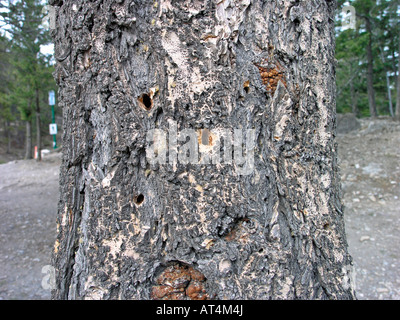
column 370, row 167
column 28, row 207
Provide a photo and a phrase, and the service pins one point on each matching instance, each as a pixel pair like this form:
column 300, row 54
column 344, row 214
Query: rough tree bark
column 128, row 229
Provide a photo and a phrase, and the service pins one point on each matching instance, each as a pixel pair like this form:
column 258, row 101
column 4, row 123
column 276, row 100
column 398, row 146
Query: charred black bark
column 132, row 229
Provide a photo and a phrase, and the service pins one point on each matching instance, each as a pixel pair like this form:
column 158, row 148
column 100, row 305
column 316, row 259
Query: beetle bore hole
column 146, row 101
column 246, row 86
column 139, row 199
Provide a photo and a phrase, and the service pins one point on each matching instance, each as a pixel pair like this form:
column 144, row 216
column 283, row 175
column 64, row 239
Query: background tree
column 397, row 115
column 22, row 20
column 6, row 114
column 130, row 229
column 364, row 10
column 370, row 52
column 350, row 78
column 385, row 34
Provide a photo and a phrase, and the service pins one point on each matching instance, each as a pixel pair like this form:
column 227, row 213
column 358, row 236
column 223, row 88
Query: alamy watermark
column 49, row 19
column 203, row 146
column 200, row 147
column 349, row 17
column 49, row 280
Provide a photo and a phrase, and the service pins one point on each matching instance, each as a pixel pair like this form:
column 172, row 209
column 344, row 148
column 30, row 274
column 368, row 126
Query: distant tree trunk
column 397, row 114
column 389, row 91
column 370, row 71
column 7, row 135
column 38, row 127
column 28, row 141
column 129, row 228
column 353, row 97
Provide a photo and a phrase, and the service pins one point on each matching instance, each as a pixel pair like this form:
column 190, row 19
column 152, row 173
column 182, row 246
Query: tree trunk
column 38, row 128
column 28, row 141
column 397, row 114
column 389, row 93
column 7, row 135
column 353, row 97
column 389, row 90
column 370, row 71
column 137, row 217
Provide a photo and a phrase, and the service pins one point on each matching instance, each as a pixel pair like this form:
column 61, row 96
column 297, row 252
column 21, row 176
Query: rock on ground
column 347, row 122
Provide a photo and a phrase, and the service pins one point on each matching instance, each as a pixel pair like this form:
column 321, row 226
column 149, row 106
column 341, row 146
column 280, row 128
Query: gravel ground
column 28, row 207
column 370, row 168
